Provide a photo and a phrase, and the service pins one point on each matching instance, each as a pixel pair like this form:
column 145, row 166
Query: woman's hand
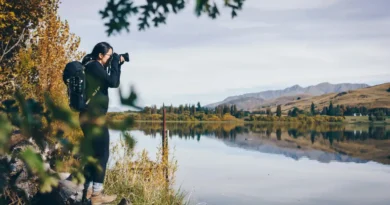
column 122, row 59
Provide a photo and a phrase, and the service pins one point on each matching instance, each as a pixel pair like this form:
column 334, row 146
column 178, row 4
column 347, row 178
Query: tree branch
column 5, row 50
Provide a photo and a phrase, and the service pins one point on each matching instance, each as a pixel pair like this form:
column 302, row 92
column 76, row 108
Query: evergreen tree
column 279, row 111
column 268, row 112
column 186, row 107
column 313, row 109
column 171, row 109
column 289, row 113
column 193, row 110
column 331, row 109
column 295, row 112
column 226, row 109
column 181, row 109
column 324, row 111
column 199, row 108
column 337, row 111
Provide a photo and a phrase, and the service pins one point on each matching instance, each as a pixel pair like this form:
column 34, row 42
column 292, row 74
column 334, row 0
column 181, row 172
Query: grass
column 364, row 119
column 139, row 179
column 371, row 97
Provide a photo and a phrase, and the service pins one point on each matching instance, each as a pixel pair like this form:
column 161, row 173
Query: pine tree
column 171, row 109
column 181, row 109
column 331, row 109
column 295, row 112
column 193, row 110
column 324, row 111
column 226, row 109
column 313, row 109
column 268, row 112
column 279, row 111
column 199, row 108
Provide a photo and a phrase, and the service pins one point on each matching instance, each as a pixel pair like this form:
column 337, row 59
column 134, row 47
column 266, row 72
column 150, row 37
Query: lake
column 222, row 163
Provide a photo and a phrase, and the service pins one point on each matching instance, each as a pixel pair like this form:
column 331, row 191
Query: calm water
column 275, row 164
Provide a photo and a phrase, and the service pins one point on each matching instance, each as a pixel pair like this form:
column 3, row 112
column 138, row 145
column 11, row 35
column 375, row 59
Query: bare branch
column 5, row 50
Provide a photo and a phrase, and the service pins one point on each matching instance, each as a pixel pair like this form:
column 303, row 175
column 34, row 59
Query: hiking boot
column 101, row 198
column 89, row 193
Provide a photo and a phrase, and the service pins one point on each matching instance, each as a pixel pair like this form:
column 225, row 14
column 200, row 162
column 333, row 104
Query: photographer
column 98, row 81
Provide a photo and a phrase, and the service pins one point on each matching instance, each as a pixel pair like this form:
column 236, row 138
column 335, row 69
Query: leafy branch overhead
column 118, row 12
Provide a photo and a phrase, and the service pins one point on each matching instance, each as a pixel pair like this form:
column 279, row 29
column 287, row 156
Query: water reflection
column 324, row 143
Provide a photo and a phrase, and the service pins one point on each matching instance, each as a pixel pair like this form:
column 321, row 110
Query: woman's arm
column 112, row 80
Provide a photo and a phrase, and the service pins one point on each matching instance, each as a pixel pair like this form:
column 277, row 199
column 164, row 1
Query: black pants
column 100, row 144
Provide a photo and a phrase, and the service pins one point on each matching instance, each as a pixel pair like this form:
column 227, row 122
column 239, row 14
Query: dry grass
column 370, row 97
column 137, row 178
column 364, row 119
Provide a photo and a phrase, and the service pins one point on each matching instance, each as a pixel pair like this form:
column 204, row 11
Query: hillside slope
column 251, row 101
column 370, row 97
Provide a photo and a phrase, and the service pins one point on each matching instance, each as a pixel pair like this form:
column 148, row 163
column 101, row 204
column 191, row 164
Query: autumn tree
column 17, row 20
column 42, row 62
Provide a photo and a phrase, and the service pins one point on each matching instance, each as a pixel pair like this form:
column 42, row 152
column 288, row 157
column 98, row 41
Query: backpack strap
column 93, row 94
column 97, row 89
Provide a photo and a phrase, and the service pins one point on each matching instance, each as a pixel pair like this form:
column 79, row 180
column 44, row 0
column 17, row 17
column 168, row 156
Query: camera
column 125, row 56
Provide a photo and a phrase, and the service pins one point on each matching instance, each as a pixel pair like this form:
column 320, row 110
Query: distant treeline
column 191, row 112
column 229, row 131
column 377, row 114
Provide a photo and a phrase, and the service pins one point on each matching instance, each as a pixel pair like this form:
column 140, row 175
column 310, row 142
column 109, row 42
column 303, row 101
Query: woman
column 98, row 81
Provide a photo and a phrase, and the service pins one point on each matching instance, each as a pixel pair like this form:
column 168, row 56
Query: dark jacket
column 97, row 76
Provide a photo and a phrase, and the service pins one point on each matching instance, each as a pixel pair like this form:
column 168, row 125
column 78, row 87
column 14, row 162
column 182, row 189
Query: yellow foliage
column 228, row 117
column 41, row 64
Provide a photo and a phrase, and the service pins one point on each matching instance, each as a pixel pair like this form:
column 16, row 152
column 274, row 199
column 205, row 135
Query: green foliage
column 331, row 111
column 35, row 121
column 300, row 118
column 5, row 133
column 295, row 112
column 279, row 111
column 377, row 115
column 388, row 90
column 35, row 164
column 313, row 109
column 118, row 12
column 268, row 112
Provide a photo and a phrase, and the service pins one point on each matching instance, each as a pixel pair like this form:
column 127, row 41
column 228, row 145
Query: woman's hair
column 102, row 47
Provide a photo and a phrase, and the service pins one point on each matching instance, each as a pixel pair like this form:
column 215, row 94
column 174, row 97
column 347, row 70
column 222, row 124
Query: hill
column 370, row 97
column 254, row 101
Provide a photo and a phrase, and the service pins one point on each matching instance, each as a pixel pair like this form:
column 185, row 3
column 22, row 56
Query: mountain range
column 254, row 101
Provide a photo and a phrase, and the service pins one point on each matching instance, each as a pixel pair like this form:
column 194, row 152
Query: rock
column 124, row 202
column 14, row 173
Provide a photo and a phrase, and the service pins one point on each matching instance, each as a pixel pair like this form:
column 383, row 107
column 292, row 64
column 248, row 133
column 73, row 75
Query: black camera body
column 125, row 56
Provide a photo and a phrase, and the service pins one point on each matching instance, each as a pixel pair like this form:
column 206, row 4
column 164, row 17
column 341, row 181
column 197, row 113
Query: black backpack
column 75, row 81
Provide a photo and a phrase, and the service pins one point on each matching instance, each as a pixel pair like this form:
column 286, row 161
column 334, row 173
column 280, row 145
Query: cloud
column 272, row 44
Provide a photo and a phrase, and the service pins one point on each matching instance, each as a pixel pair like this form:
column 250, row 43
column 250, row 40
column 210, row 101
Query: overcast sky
column 272, row 44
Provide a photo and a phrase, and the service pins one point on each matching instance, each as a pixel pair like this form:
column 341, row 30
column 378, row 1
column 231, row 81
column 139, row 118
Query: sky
column 272, row 44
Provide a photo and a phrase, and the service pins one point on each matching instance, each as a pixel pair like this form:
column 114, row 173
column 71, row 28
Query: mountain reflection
column 324, row 143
